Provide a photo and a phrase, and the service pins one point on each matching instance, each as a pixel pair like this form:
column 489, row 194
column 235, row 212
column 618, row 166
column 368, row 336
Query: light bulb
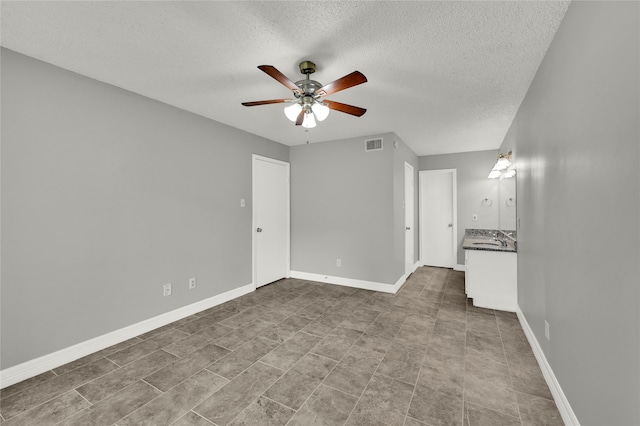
column 292, row 111
column 494, row 174
column 509, row 173
column 320, row 110
column 309, row 122
column 502, row 163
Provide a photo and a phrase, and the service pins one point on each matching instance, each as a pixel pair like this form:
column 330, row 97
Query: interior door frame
column 254, row 247
column 454, row 211
column 409, row 171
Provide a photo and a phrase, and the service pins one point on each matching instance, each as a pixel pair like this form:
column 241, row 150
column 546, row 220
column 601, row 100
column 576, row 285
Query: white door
column 437, row 217
column 270, row 220
column 409, row 227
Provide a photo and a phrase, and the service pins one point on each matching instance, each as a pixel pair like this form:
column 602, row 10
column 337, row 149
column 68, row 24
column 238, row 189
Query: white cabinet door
column 491, row 279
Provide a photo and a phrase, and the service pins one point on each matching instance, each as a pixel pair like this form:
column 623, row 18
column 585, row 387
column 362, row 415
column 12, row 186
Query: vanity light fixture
column 503, row 163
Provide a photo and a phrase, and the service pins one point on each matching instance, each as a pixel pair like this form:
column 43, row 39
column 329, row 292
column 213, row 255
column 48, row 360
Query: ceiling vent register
column 373, row 145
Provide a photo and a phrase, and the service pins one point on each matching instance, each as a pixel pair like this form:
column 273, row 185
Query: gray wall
column 106, row 196
column 576, row 142
column 473, row 186
column 342, row 207
column 401, row 155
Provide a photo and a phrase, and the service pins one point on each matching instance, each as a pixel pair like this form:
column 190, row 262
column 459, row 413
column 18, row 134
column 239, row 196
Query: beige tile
column 232, row 399
column 492, row 390
column 237, row 361
column 242, row 335
column 291, row 350
column 115, row 407
column 187, row 345
column 336, row 344
column 526, row 376
column 26, row 384
column 351, row 380
column 169, row 376
column 40, row 393
column 175, row 403
column 192, row 419
column 480, row 416
column 384, row 402
column 51, row 412
column 297, row 384
column 536, row 411
column 112, row 382
column 263, row 412
column 326, row 406
column 134, row 352
column 437, row 398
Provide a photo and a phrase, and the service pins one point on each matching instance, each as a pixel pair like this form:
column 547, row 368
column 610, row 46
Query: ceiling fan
column 309, row 102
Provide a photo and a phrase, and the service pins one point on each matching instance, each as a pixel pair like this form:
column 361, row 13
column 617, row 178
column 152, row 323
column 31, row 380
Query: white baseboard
column 459, row 267
column 350, row 282
column 20, row 372
column 568, row 416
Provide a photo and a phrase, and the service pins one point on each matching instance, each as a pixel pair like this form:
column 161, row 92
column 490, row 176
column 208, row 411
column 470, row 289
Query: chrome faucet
column 502, row 241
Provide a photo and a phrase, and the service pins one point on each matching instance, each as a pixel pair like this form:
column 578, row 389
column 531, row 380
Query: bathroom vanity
column 491, row 268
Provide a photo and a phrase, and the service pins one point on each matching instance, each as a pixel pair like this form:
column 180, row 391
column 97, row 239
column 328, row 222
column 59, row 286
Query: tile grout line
column 504, row 351
column 415, row 387
column 76, row 391
column 368, row 382
column 464, row 362
column 263, row 393
column 334, row 367
column 69, row 390
column 168, row 390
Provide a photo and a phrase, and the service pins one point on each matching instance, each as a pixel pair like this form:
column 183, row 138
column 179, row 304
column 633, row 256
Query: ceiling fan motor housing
column 307, row 67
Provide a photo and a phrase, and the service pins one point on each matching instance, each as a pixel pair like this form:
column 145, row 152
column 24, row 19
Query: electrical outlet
column 338, row 262
column 166, row 290
column 546, row 330
column 474, row 217
column 242, row 203
column 192, row 283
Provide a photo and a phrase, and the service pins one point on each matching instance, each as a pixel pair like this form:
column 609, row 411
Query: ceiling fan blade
column 267, row 102
column 349, row 109
column 300, row 118
column 283, row 79
column 345, row 82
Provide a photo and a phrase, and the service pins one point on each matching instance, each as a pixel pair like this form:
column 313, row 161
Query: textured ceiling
column 444, row 76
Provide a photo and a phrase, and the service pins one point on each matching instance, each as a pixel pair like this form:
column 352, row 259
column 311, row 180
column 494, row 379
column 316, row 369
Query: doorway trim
column 254, row 158
column 454, row 210
column 409, row 171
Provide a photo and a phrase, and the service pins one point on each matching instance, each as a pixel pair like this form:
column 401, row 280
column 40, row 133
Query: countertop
column 482, row 239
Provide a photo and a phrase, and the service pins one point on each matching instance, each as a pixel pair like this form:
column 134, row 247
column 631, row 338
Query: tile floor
column 303, row 353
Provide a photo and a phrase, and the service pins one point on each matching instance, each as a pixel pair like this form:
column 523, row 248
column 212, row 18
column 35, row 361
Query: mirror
column 507, row 210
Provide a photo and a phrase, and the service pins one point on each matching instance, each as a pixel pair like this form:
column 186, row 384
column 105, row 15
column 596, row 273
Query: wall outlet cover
column 192, row 283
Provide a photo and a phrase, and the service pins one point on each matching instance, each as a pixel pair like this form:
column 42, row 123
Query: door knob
column 259, row 230
column 408, row 228
column 450, row 225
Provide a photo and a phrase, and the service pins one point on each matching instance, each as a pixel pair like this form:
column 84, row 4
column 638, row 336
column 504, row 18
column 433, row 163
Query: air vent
column 373, row 145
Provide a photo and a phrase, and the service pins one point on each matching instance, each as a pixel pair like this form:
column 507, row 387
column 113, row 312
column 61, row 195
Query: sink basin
column 488, row 244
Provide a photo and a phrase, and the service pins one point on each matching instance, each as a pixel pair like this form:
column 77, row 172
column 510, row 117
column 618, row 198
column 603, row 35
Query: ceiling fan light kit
column 309, row 104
